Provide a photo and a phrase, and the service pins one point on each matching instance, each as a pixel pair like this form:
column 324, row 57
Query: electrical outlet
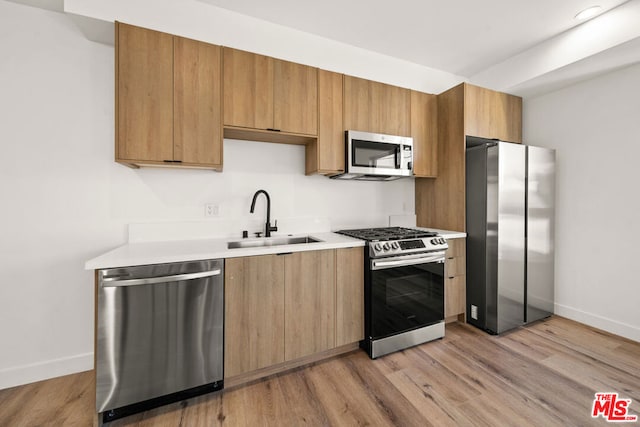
column 474, row 312
column 211, row 210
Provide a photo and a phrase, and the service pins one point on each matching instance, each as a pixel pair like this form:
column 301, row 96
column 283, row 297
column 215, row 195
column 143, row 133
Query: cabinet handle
column 172, row 161
column 273, row 130
column 284, row 253
column 451, row 277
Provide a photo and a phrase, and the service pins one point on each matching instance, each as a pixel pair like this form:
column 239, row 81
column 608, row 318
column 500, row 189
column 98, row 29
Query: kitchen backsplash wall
column 168, row 198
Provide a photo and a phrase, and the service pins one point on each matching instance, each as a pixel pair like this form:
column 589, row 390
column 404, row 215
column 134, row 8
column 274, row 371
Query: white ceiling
column 524, row 47
column 463, row 37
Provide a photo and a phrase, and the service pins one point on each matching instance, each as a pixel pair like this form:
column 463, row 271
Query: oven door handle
column 380, row 264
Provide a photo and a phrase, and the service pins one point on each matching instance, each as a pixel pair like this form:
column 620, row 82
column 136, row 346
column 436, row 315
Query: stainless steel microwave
column 377, row 157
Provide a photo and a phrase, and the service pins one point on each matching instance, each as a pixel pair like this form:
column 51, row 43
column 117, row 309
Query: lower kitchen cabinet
column 349, row 295
column 254, row 313
column 455, row 280
column 309, row 303
column 285, row 308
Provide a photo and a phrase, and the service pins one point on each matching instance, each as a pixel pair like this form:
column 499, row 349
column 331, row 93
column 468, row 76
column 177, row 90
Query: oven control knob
column 434, row 241
column 386, row 247
column 442, row 241
column 377, row 247
column 395, row 245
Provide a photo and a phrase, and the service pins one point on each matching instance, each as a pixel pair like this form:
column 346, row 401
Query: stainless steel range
column 404, row 287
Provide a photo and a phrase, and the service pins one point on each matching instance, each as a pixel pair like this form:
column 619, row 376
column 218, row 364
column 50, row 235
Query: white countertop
column 447, row 234
column 144, row 253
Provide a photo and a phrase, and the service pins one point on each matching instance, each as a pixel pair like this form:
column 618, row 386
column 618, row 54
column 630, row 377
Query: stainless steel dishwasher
column 160, row 335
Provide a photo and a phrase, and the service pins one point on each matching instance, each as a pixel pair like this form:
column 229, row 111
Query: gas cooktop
column 387, row 233
column 396, row 241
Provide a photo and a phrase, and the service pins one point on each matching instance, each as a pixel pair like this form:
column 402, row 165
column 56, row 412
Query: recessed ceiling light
column 589, row 12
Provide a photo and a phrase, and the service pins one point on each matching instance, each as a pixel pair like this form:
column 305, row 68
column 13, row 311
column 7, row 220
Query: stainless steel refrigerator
column 510, row 192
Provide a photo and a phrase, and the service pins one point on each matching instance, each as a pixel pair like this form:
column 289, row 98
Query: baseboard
column 25, row 374
column 623, row 329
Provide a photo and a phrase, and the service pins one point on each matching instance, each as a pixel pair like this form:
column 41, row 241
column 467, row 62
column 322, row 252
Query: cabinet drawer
column 455, row 266
column 454, row 295
column 457, row 247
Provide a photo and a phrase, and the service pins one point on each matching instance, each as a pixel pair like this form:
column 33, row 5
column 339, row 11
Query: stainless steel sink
column 271, row 241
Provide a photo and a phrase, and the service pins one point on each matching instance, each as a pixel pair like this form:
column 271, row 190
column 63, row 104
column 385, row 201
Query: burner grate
column 387, row 233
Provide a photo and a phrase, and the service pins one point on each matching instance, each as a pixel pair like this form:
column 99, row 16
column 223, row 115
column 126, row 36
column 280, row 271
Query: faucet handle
column 275, row 226
column 258, row 233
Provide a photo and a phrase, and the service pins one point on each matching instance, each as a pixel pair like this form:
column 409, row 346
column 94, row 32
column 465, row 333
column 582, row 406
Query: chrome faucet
column 268, row 228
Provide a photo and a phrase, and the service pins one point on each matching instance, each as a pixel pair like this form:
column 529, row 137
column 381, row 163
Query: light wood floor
column 543, row 375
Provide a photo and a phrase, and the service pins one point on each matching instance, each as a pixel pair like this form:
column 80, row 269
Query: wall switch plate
column 474, row 312
column 211, row 210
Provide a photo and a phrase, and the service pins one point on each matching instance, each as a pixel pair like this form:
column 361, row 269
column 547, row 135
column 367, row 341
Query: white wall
column 64, row 199
column 595, row 128
column 202, row 21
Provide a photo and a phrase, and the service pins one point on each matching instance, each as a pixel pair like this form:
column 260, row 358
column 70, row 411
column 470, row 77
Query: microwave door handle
column 398, row 156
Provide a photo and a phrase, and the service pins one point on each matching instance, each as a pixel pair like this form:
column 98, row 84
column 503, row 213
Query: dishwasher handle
column 116, row 281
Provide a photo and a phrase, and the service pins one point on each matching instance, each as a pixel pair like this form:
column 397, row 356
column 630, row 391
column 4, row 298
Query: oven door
column 405, row 293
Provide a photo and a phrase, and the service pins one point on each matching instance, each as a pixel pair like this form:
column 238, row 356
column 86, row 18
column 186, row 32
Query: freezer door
column 540, row 232
column 506, row 220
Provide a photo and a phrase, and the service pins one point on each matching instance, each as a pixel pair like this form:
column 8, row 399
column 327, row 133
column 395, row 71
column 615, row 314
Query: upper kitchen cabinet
column 295, row 98
column 376, row 107
column 197, row 115
column 144, row 94
column 326, row 154
column 167, row 100
column 463, row 110
column 268, row 94
column 248, row 89
column 491, row 114
column 424, row 130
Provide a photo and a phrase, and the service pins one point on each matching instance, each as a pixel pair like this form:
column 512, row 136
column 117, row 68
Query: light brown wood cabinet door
column 254, row 313
column 197, row 102
column 376, row 107
column 424, row 130
column 144, row 94
column 248, row 89
column 393, row 106
column 491, row 114
column 455, row 279
column 349, row 295
column 326, row 154
column 295, row 98
column 454, row 296
column 309, row 303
